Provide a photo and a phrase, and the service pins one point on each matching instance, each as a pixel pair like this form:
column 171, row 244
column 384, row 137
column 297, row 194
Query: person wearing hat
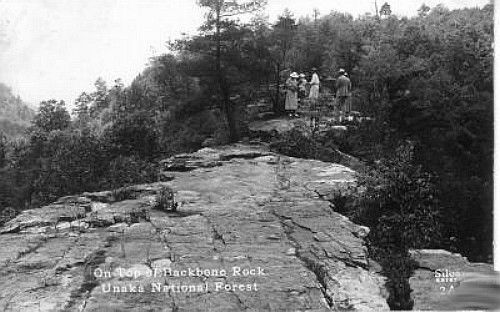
column 291, row 101
column 343, row 87
column 302, row 86
column 314, row 95
column 314, row 91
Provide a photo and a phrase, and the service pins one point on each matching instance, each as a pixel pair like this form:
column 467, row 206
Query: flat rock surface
column 280, row 125
column 252, row 232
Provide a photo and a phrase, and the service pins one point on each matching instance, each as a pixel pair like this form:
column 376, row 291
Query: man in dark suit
column 343, row 87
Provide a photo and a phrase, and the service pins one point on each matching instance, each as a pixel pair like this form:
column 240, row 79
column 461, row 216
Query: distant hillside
column 15, row 115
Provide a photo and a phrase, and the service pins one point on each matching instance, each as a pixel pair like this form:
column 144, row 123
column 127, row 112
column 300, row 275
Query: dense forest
column 15, row 115
column 426, row 80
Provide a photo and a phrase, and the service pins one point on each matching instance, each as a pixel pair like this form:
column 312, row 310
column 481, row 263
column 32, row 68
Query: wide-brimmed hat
column 294, row 75
column 302, row 75
column 341, row 71
column 314, row 69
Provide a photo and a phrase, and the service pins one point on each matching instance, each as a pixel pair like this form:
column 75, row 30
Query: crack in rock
column 83, row 293
column 316, row 268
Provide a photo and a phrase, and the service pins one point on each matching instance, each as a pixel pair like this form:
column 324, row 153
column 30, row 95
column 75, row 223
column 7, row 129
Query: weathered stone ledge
column 254, row 209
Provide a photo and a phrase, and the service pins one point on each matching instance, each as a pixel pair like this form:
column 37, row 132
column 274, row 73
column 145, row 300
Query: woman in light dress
column 313, row 97
column 314, row 91
column 291, row 101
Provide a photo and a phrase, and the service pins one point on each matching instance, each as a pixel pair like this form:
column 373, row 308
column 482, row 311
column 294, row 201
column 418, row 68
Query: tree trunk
column 223, row 85
column 277, row 108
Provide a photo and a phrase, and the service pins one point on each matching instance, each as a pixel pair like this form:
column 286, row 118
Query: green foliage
column 62, row 162
column 99, row 98
column 82, row 109
column 52, row 115
column 225, row 54
column 428, row 80
column 295, row 144
column 7, row 214
column 278, row 45
column 15, row 115
column 134, row 134
column 400, row 202
column 13, row 128
column 3, row 150
column 125, row 171
column 398, row 267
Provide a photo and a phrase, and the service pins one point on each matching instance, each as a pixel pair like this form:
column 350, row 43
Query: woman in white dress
column 314, row 91
column 313, row 96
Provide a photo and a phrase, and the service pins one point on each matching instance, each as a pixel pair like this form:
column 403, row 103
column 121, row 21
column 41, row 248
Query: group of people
column 296, row 90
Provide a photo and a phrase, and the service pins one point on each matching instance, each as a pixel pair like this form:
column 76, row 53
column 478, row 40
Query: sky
column 56, row 49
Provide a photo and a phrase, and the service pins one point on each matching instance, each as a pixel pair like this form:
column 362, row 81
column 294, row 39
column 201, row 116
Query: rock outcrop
column 277, row 128
column 252, row 232
column 438, row 282
column 282, row 125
